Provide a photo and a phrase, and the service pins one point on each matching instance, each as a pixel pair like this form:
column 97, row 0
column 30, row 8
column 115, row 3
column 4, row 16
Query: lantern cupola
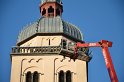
column 51, row 8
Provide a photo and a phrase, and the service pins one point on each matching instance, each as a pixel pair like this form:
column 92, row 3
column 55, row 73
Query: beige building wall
column 49, row 65
column 43, row 41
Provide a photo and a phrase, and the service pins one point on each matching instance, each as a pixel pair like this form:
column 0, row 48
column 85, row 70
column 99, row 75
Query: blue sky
column 97, row 19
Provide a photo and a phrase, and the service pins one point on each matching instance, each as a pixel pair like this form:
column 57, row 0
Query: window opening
column 51, row 11
column 28, row 77
column 61, row 76
column 35, row 77
column 57, row 12
column 49, row 41
column 44, row 11
column 68, row 76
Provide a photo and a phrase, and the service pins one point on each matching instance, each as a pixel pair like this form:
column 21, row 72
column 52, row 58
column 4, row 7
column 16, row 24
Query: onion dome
column 52, row 25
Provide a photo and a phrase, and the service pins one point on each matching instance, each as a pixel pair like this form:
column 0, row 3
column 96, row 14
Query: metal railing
column 47, row 49
column 50, row 50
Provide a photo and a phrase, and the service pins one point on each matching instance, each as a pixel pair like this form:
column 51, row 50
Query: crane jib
column 104, row 44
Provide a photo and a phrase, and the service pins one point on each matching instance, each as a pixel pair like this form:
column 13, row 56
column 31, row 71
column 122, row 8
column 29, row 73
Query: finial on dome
column 44, row 1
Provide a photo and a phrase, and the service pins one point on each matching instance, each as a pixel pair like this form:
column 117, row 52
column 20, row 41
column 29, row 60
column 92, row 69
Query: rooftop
column 50, row 25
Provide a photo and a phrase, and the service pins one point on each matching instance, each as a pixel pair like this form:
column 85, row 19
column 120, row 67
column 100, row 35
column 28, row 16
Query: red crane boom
column 108, row 61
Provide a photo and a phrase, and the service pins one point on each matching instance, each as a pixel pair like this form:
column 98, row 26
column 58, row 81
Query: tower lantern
column 51, row 8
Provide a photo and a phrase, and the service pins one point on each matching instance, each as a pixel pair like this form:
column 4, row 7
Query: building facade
column 44, row 50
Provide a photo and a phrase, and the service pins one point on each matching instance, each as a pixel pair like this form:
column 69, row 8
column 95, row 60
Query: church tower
column 44, row 49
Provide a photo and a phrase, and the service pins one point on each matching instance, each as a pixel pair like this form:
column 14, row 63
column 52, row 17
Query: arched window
column 51, row 11
column 29, row 77
column 35, row 77
column 68, row 76
column 61, row 76
column 44, row 11
column 57, row 12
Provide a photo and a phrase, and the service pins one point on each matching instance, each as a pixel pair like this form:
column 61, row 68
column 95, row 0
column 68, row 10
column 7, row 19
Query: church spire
column 51, row 8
